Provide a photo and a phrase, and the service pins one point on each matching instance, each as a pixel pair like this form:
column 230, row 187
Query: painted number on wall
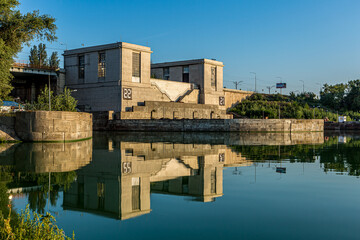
column 222, row 101
column 127, row 93
column 126, row 167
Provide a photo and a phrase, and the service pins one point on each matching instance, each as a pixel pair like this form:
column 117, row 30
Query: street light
column 303, row 85
column 255, row 78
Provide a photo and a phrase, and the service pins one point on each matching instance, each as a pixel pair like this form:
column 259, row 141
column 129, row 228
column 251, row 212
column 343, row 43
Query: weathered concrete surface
column 215, row 125
column 213, row 138
column 53, row 126
column 7, row 129
column 174, row 110
column 52, row 157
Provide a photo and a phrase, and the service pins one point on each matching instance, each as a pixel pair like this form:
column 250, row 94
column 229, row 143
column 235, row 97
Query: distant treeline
column 338, row 99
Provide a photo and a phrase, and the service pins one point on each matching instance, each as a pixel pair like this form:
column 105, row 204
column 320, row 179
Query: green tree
column 54, row 60
column 333, row 96
column 352, row 99
column 61, row 102
column 38, row 55
column 16, row 29
column 33, row 58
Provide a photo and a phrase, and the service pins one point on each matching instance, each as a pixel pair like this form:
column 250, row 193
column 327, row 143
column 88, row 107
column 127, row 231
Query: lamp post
column 49, row 93
column 269, row 88
column 303, row 85
column 254, row 78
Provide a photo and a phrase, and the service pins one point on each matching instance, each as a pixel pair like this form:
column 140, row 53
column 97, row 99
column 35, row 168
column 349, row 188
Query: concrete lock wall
column 215, row 125
column 53, row 126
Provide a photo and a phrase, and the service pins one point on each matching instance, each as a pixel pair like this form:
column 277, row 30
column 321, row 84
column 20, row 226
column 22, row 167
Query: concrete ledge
column 215, row 125
column 54, row 126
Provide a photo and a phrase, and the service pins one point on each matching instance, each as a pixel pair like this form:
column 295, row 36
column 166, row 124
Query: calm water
column 191, row 186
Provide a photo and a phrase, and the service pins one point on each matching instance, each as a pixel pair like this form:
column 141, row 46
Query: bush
column 61, row 102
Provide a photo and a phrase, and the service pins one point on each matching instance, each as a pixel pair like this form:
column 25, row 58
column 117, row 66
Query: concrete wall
column 174, row 90
column 7, row 129
column 52, row 157
column 53, row 126
column 233, row 97
column 216, row 125
column 174, row 110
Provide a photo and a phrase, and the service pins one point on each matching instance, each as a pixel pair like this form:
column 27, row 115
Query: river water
column 193, row 186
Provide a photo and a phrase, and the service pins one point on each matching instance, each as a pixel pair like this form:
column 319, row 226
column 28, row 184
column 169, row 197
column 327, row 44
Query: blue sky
column 317, row 41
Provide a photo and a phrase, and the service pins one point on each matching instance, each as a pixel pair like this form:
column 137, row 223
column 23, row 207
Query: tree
column 54, row 60
column 33, row 58
column 16, row 29
column 38, row 55
column 352, row 99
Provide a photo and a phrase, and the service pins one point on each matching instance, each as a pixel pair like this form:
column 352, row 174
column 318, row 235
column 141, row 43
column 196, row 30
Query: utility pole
column 280, row 82
column 269, row 88
column 237, row 83
column 303, row 85
column 49, row 94
column 255, row 78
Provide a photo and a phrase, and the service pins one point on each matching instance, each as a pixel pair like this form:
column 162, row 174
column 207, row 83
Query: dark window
column 166, row 73
column 213, row 181
column 101, row 195
column 136, row 67
column 186, row 74
column 101, row 65
column 81, row 60
column 213, row 77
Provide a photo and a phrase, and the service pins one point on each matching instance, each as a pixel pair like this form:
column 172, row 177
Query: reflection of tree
column 294, row 153
column 37, row 201
column 344, row 158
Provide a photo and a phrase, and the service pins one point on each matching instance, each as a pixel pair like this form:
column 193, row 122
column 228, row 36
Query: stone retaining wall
column 53, row 126
column 7, row 129
column 215, row 125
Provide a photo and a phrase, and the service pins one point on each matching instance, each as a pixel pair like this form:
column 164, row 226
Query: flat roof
column 107, row 47
column 187, row 62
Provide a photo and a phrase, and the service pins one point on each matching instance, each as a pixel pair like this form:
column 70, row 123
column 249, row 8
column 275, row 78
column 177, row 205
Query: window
column 135, row 194
column 136, row 71
column 166, row 73
column 101, row 195
column 213, row 77
column 101, row 65
column 81, row 60
column 186, row 74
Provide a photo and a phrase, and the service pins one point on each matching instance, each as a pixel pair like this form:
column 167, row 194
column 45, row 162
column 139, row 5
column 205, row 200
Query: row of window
column 185, row 75
column 136, row 63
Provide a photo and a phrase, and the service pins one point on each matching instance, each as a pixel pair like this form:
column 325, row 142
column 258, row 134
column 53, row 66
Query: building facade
column 120, row 77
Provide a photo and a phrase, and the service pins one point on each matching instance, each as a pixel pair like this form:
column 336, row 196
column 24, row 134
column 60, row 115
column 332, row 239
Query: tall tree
column 42, row 55
column 54, row 60
column 33, row 58
column 38, row 55
column 16, row 29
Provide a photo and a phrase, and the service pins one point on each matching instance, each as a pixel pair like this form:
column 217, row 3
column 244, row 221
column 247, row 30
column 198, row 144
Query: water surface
column 177, row 186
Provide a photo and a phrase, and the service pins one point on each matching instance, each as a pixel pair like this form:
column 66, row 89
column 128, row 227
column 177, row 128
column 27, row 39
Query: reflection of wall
column 118, row 181
column 52, row 157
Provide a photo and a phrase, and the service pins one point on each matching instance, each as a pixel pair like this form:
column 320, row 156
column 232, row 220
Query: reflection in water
column 113, row 175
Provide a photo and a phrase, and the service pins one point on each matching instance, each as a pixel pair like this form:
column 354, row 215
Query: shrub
column 61, row 102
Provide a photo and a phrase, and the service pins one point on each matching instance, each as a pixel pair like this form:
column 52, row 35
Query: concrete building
column 120, row 77
column 29, row 81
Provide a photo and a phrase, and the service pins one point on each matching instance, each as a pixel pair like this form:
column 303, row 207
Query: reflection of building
column 120, row 178
column 48, row 157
